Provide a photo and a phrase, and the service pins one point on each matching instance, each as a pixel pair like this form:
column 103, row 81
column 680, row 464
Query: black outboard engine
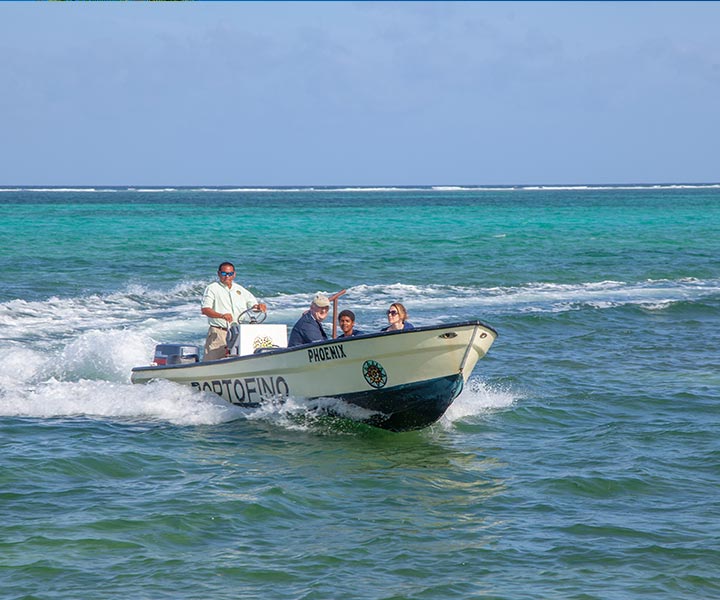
column 176, row 354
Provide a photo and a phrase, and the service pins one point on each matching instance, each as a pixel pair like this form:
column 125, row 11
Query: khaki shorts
column 215, row 344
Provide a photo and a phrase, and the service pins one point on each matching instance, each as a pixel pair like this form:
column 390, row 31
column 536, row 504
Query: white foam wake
column 163, row 401
column 478, row 399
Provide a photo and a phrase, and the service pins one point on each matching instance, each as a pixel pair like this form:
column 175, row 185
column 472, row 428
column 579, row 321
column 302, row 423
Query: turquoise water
column 582, row 461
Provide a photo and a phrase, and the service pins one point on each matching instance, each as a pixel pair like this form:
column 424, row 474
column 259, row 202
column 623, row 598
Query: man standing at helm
column 223, row 302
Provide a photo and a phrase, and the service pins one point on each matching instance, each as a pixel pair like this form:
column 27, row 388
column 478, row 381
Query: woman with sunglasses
column 396, row 316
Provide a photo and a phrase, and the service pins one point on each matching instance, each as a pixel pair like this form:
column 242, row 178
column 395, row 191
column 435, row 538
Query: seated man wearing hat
column 309, row 327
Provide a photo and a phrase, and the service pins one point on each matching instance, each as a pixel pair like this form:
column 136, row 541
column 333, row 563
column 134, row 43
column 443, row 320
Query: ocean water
column 582, row 461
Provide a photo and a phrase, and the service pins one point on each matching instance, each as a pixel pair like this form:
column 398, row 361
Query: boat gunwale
column 349, row 339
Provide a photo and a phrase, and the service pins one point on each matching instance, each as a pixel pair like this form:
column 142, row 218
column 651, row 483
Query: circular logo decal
column 374, row 373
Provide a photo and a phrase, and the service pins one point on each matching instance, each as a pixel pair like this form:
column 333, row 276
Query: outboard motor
column 176, row 354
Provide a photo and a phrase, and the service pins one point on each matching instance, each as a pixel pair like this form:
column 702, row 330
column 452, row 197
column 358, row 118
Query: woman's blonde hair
column 401, row 310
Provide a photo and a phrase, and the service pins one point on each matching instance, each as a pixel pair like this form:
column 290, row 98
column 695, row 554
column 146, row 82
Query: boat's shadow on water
column 333, row 416
column 319, row 437
column 311, row 444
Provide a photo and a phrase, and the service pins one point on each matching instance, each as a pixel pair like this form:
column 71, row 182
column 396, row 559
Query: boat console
column 251, row 338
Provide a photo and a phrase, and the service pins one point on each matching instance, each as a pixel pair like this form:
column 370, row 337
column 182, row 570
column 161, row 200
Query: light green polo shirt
column 233, row 300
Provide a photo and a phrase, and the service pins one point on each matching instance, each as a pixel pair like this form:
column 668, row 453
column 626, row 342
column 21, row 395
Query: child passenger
column 346, row 320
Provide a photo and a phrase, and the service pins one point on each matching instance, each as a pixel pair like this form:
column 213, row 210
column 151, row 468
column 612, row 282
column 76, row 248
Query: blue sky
column 359, row 93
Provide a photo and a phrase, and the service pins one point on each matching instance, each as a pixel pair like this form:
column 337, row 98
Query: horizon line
column 135, row 186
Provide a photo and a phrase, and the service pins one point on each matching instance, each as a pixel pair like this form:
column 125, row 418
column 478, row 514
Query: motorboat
column 395, row 380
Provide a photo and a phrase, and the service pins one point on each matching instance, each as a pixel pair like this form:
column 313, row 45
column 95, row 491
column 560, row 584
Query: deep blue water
column 582, row 461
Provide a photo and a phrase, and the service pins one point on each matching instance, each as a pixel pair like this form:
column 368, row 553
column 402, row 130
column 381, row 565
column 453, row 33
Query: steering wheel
column 256, row 316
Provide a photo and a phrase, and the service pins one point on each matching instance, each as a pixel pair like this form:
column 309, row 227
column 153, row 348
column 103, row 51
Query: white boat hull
column 404, row 380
